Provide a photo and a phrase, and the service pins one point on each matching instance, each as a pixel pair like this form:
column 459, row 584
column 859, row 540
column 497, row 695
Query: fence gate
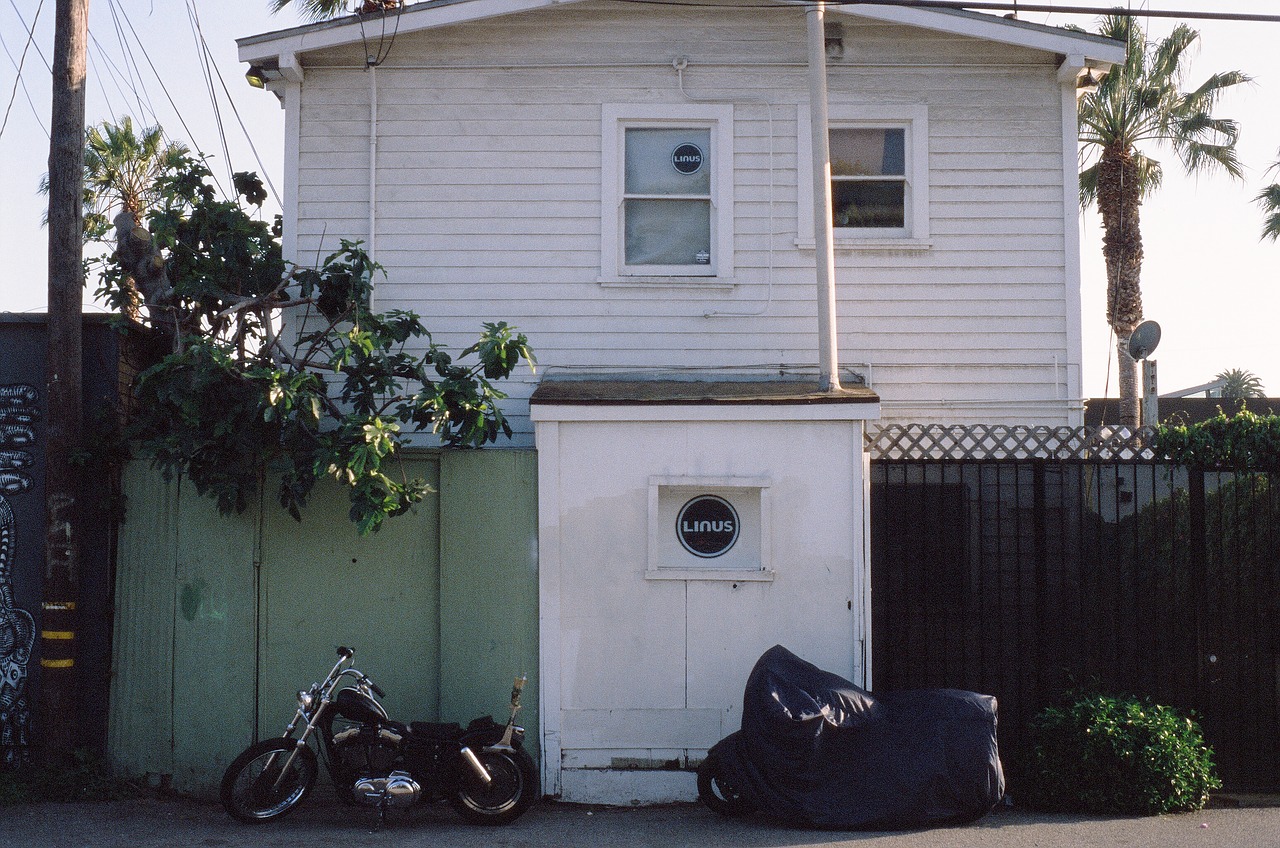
column 1023, row 562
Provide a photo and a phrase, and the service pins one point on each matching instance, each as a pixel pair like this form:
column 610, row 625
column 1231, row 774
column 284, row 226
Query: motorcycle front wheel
column 513, row 785
column 717, row 793
column 254, row 788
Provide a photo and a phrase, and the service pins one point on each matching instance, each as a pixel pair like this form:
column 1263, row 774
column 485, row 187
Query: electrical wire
column 131, row 66
column 190, row 135
column 17, row 80
column 39, row 52
column 205, row 61
column 235, row 111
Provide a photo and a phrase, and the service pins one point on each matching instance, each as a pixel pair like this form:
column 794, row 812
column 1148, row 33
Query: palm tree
column 122, row 169
column 322, row 10
column 1240, row 384
column 1140, row 104
column 122, row 172
column 1269, row 200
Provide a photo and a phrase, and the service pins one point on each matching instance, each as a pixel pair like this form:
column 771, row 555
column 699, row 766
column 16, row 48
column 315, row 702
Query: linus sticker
column 687, row 158
column 707, row 526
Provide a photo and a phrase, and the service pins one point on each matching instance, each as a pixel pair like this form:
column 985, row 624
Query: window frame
column 914, row 121
column 616, row 119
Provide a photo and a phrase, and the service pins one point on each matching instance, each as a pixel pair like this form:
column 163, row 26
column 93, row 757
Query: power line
column 25, row 92
column 134, row 75
column 169, row 97
column 31, row 34
column 236, row 112
column 205, row 61
column 960, row 5
column 39, row 52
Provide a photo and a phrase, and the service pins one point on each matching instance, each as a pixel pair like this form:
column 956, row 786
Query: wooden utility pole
column 57, row 702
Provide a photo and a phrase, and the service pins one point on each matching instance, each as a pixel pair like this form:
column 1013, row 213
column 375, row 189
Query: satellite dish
column 1143, row 341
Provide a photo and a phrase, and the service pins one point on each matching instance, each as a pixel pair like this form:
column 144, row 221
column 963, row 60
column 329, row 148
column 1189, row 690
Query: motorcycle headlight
column 305, row 700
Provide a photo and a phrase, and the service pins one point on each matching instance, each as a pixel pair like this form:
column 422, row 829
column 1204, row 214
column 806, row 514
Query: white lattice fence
column 1110, row 443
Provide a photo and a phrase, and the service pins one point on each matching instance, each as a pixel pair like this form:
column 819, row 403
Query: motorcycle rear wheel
column 512, row 788
column 254, row 791
column 717, row 793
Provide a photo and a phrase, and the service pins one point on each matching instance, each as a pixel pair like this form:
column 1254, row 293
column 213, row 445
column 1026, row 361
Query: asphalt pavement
column 152, row 823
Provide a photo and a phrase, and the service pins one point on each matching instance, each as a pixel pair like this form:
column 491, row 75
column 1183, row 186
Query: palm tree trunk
column 1119, row 200
column 1129, row 384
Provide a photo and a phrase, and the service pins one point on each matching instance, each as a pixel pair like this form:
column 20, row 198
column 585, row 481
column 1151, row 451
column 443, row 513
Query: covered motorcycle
column 816, row 750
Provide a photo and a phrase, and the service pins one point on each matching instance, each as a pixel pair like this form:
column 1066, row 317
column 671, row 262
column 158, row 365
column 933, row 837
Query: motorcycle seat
column 437, row 730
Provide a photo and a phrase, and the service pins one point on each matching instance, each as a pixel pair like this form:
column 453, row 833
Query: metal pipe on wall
column 824, row 247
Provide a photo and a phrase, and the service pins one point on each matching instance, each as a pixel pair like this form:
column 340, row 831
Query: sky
column 1209, row 281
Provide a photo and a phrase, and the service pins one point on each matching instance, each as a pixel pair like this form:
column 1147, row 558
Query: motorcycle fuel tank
column 357, row 706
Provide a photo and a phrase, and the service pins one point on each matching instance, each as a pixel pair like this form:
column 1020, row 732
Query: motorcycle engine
column 397, row 789
column 369, row 756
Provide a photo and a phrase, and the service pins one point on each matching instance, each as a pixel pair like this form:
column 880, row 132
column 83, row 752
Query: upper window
column 667, row 192
column 868, row 178
column 879, row 176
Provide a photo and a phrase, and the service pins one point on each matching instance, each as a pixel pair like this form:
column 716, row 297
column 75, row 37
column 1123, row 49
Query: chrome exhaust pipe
column 477, row 767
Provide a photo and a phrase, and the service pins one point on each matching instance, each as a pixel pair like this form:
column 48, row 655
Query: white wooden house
column 629, row 184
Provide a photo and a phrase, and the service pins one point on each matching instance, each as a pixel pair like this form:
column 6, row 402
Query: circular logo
column 707, row 526
column 687, row 158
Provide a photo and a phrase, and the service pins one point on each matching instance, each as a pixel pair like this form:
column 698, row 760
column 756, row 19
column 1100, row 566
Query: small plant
column 1108, row 754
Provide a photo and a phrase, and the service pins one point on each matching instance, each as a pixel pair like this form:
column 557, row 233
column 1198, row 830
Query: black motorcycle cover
column 817, row 750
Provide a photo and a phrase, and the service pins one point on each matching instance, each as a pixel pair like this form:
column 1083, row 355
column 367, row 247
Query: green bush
column 1105, row 754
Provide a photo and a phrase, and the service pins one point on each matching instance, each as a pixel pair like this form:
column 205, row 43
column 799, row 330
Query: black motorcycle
column 818, row 751
column 482, row 770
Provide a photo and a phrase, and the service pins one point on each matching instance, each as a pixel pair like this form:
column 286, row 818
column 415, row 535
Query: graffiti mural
column 18, row 413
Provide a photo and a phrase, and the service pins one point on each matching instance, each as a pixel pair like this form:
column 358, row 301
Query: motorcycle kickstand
column 382, row 815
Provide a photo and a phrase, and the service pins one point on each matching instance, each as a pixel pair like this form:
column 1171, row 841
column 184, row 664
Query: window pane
column 868, row 152
column 868, row 203
column 650, row 165
column 667, row 232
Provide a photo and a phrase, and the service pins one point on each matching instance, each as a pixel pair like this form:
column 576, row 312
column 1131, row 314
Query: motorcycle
column 818, row 751
column 482, row 770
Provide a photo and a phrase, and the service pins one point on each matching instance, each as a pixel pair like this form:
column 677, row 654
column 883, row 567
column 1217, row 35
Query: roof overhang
column 268, row 48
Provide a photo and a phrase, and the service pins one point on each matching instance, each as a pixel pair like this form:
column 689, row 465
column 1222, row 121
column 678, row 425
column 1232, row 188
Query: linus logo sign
column 707, row 526
column 687, row 158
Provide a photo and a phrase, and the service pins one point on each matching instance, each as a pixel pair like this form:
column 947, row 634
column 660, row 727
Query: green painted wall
column 219, row 621
column 489, row 585
column 323, row 586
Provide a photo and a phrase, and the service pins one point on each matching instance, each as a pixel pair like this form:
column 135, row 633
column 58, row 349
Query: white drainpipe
column 373, row 161
column 824, row 248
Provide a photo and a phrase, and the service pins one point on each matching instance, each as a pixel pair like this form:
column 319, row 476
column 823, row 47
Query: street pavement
column 152, row 823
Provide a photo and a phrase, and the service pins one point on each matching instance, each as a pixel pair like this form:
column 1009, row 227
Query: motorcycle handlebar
column 345, row 652
column 377, row 690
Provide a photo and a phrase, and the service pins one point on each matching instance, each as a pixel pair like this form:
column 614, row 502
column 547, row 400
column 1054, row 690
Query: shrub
column 1106, row 754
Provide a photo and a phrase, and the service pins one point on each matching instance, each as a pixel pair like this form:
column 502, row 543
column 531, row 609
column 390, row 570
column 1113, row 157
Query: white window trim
column 615, row 119
column 914, row 119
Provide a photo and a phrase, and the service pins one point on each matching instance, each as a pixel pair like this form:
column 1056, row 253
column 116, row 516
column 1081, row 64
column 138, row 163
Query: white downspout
column 373, row 160
column 824, row 248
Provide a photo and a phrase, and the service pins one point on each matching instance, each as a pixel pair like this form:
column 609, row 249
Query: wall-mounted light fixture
column 256, row 76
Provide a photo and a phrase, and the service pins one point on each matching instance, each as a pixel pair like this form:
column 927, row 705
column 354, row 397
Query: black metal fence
column 1024, row 578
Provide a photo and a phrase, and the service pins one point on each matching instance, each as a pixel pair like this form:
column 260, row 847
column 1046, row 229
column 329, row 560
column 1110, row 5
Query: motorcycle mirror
column 345, row 652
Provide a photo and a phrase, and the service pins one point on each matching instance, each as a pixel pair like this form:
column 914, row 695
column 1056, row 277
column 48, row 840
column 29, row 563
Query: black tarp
column 815, row 749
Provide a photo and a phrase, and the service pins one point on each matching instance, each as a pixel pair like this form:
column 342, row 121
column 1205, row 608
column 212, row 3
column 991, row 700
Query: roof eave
column 265, row 47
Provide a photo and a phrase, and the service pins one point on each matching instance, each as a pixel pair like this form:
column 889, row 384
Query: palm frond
column 312, row 10
column 1089, row 186
column 1269, row 200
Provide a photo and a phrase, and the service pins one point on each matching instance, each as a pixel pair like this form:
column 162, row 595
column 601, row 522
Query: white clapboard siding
column 488, row 200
